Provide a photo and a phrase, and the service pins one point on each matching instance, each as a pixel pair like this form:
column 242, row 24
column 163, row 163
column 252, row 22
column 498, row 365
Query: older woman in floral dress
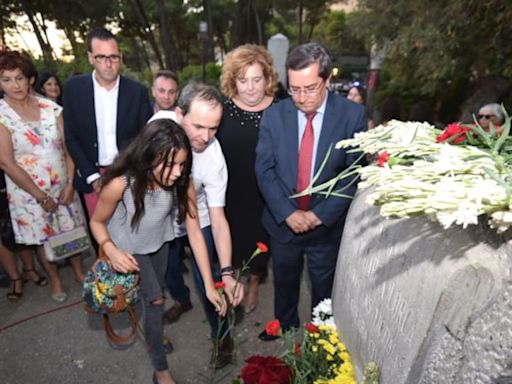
column 38, row 169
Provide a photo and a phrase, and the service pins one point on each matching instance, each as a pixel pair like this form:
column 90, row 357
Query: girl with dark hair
column 148, row 183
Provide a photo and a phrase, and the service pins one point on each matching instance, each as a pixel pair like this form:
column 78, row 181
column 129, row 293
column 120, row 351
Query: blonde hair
column 236, row 64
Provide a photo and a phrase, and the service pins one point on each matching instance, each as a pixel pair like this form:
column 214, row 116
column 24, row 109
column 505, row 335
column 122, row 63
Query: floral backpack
column 107, row 291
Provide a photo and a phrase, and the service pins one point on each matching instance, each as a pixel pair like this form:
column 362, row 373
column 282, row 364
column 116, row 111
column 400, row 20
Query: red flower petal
column 262, row 247
column 312, row 328
column 219, row 285
column 383, row 158
column 273, row 327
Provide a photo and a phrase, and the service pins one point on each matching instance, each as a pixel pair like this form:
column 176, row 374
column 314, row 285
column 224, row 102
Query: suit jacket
column 133, row 111
column 277, row 160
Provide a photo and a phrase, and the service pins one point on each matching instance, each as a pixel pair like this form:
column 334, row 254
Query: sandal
column 13, row 295
column 40, row 280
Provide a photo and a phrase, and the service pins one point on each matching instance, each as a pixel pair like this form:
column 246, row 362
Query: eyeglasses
column 308, row 91
column 103, row 58
column 488, row 117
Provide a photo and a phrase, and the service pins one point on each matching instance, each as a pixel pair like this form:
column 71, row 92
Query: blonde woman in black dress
column 249, row 83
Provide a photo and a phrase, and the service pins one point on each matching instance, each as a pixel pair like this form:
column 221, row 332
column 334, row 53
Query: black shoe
column 264, row 336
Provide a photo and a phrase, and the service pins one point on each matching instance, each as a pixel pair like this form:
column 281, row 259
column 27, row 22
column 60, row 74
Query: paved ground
column 68, row 346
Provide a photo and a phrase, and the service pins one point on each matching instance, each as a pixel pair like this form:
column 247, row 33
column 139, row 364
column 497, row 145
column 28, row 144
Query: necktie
column 305, row 161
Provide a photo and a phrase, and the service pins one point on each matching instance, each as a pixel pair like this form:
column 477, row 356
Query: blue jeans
column 176, row 284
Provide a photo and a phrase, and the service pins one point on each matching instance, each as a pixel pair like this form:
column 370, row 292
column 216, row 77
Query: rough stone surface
column 428, row 305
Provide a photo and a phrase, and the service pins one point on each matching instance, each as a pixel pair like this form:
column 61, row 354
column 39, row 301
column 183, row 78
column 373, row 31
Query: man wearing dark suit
column 103, row 112
column 294, row 138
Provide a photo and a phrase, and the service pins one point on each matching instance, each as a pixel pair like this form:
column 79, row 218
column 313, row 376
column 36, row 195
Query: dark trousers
column 288, row 262
column 152, row 267
column 176, row 284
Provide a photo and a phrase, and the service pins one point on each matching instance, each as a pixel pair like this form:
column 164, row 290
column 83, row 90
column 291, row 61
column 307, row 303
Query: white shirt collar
column 98, row 85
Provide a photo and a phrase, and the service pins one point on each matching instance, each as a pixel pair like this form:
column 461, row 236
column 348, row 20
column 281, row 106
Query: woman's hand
column 48, row 204
column 234, row 289
column 217, row 299
column 121, row 260
column 66, row 195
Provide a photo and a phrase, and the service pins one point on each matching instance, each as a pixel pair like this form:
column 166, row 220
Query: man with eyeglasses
column 103, row 112
column 294, row 138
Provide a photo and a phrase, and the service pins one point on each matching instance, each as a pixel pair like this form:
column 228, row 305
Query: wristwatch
column 227, row 271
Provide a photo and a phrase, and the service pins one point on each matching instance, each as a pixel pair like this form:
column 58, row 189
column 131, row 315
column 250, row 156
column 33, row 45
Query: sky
column 24, row 38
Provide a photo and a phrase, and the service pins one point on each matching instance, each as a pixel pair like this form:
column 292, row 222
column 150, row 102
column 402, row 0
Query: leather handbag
column 107, row 291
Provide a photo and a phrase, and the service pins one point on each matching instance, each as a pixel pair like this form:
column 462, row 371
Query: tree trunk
column 301, row 12
column 146, row 28
column 171, row 54
column 209, row 43
column 45, row 47
column 258, row 26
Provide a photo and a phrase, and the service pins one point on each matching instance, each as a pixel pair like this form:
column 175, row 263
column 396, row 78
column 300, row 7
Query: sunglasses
column 488, row 117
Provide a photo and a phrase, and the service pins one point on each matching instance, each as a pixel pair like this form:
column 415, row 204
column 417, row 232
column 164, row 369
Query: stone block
column 429, row 305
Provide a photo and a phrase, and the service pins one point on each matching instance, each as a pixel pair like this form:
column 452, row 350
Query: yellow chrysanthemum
column 344, row 355
column 333, row 339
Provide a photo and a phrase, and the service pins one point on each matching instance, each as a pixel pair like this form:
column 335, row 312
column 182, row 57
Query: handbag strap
column 115, row 337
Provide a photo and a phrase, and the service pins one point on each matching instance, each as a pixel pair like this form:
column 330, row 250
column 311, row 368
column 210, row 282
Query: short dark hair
column 11, row 60
column 101, row 34
column 168, row 75
column 198, row 91
column 304, row 55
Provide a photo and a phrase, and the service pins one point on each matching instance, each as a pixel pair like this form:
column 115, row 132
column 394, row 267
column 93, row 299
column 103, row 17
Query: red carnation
column 454, row 133
column 219, row 285
column 298, row 350
column 273, row 327
column 383, row 158
column 312, row 328
column 262, row 247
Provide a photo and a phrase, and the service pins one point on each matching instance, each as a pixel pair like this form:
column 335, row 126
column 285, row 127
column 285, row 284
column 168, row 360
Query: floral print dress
column 38, row 148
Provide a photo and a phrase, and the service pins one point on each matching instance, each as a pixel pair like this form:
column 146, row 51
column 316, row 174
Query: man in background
column 165, row 90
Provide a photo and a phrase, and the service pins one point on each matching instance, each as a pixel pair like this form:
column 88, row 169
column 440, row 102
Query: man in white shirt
column 199, row 112
column 103, row 112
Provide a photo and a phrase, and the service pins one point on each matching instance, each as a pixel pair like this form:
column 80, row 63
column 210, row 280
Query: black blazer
column 276, row 166
column 133, row 111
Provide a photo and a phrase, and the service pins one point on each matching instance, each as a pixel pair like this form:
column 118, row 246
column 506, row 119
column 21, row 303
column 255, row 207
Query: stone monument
column 278, row 46
column 428, row 305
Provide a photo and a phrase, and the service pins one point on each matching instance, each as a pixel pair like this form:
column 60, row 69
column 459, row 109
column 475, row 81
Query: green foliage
column 437, row 49
column 371, row 374
column 195, row 72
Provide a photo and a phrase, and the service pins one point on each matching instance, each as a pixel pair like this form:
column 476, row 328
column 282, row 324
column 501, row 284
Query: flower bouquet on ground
column 452, row 176
column 319, row 358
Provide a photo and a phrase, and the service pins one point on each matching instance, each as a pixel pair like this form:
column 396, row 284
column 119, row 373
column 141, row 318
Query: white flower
column 322, row 313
